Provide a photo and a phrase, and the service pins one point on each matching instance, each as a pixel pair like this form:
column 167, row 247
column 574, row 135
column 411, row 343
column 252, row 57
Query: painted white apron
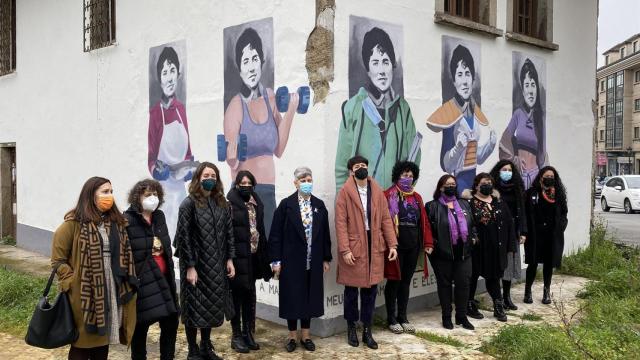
column 173, row 149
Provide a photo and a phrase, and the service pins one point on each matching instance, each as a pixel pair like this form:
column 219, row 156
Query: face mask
column 150, row 203
column 450, row 190
column 506, row 175
column 361, row 173
column 405, row 184
column 548, row 182
column 105, row 202
column 306, row 188
column 208, row 184
column 245, row 192
column 486, row 189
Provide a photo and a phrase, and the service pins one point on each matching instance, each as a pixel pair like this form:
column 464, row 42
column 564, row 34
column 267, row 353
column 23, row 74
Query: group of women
column 119, row 273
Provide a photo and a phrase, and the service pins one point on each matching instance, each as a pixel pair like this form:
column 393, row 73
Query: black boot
column 194, row 353
column 528, row 299
column 367, row 338
column 237, row 340
column 546, row 296
column 352, row 336
column 472, row 310
column 506, row 295
column 498, row 310
column 462, row 320
column 207, row 351
column 446, row 322
column 248, row 338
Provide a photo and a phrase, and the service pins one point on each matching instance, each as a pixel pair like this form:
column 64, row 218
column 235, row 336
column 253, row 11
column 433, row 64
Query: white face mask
column 150, row 203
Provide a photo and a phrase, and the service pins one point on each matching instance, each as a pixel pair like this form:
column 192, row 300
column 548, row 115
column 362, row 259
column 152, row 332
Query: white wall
column 74, row 114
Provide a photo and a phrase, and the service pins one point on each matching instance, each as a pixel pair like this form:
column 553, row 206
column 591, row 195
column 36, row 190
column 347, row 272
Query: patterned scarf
column 549, row 194
column 408, row 199
column 94, row 303
column 457, row 229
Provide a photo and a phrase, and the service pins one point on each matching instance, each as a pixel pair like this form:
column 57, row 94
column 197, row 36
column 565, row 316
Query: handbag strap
column 53, row 274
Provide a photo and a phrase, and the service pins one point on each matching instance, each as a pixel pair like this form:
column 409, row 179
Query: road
column 625, row 227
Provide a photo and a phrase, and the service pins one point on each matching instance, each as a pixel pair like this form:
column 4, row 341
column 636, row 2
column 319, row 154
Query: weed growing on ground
column 447, row 340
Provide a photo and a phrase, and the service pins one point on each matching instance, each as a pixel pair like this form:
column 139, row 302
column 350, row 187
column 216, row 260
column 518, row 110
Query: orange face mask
column 104, row 202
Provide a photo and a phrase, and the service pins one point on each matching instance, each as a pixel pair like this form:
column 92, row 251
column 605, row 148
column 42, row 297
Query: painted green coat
column 358, row 135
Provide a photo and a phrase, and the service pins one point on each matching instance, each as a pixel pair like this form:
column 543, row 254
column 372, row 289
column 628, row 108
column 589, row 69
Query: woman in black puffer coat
column 204, row 245
column 151, row 247
column 251, row 261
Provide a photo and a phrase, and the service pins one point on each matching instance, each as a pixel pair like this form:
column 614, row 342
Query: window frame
column 89, row 37
column 11, row 40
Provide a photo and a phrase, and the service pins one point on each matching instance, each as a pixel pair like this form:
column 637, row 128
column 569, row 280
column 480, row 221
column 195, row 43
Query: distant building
column 618, row 125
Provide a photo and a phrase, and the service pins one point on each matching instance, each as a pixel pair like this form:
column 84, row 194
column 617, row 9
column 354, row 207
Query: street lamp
column 629, row 153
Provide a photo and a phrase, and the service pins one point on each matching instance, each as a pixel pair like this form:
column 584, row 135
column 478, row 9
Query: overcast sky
column 617, row 21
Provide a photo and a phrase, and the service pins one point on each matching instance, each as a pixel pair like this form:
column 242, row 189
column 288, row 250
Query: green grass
column 609, row 325
column 8, row 240
column 447, row 340
column 529, row 316
column 19, row 294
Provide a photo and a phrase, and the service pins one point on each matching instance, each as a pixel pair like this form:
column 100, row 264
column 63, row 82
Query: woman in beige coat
column 365, row 231
column 95, row 267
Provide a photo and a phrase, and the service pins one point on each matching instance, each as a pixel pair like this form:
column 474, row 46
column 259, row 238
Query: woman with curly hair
column 546, row 211
column 205, row 247
column 151, row 246
column 509, row 184
column 413, row 231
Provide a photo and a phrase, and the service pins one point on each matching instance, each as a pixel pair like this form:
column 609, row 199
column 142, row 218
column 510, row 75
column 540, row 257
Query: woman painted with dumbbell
column 254, row 129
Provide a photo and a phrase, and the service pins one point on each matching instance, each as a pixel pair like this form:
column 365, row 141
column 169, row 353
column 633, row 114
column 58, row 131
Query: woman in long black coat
column 151, row 246
column 300, row 251
column 496, row 238
column 251, row 261
column 205, row 248
column 546, row 209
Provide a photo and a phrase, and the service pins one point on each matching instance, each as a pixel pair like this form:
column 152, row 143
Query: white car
column 622, row 192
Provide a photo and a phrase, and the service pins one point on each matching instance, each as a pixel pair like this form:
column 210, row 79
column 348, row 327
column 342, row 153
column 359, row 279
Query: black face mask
column 450, row 190
column 245, row 192
column 548, row 182
column 361, row 173
column 486, row 189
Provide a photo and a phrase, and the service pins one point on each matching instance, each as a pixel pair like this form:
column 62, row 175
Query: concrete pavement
column 624, row 227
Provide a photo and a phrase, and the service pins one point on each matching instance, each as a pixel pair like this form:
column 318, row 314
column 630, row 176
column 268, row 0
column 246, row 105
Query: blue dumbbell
column 242, row 147
column 282, row 99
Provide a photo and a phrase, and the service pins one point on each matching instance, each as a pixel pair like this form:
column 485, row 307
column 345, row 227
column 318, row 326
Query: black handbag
column 52, row 325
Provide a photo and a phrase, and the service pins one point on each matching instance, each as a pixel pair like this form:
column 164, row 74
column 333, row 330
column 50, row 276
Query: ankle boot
column 352, row 336
column 446, row 322
column 498, row 310
column 207, row 351
column 472, row 310
column 367, row 337
column 194, row 353
column 237, row 342
column 462, row 320
column 249, row 340
column 506, row 296
column 527, row 295
column 546, row 296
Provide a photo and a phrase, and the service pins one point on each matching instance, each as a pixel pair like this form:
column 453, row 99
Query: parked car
column 622, row 192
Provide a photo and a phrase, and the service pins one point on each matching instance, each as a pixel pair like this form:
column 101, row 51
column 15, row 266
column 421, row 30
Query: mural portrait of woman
column 464, row 126
column 376, row 120
column 250, row 108
column 524, row 141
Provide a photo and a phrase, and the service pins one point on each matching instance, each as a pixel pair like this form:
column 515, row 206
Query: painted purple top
column 262, row 139
column 524, row 132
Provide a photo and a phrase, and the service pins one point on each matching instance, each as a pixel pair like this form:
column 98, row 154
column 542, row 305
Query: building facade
column 618, row 122
column 85, row 98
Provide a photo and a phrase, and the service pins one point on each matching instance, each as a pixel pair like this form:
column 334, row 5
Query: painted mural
column 467, row 139
column 524, row 140
column 170, row 160
column 376, row 120
column 254, row 129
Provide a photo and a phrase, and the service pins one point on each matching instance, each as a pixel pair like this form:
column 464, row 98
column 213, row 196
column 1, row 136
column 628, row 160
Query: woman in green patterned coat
column 377, row 122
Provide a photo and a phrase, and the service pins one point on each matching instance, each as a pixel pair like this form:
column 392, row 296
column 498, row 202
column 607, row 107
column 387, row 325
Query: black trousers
column 448, row 273
column 367, row 304
column 168, row 334
column 547, row 273
column 96, row 353
column 244, row 302
column 292, row 324
column 397, row 291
